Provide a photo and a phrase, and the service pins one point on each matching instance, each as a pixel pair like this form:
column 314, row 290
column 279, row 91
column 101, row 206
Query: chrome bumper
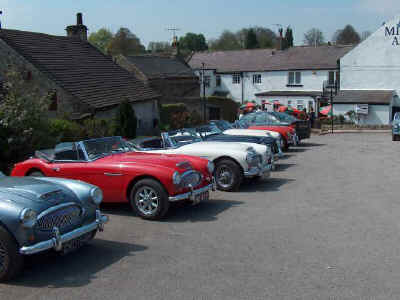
column 193, row 193
column 264, row 170
column 58, row 240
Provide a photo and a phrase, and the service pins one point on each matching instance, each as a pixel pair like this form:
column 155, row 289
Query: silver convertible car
column 39, row 214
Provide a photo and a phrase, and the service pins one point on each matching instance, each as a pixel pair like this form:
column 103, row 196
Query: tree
column 126, row 43
column 288, row 39
column 346, row 36
column 159, row 47
column 251, row 40
column 266, row 37
column 125, row 121
column 227, row 41
column 314, row 37
column 193, row 42
column 101, row 39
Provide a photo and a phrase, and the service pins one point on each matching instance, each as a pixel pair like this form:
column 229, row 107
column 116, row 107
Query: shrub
column 227, row 106
column 125, row 121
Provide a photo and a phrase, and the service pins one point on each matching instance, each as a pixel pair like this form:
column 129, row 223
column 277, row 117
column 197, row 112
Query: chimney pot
column 79, row 20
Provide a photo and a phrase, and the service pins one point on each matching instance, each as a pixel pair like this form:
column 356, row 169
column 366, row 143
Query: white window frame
column 296, row 78
column 207, row 81
column 257, row 78
column 218, row 80
column 300, row 104
column 236, row 78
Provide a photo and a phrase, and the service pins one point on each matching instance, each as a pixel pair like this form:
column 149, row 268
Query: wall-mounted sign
column 362, row 109
column 393, row 33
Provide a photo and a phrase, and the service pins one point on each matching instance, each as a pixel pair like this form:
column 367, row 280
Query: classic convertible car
column 233, row 161
column 212, row 133
column 39, row 214
column 149, row 182
column 396, row 127
column 226, row 130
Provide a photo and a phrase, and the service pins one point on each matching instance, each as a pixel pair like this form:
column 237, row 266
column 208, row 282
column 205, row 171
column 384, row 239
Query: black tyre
column 36, row 174
column 285, row 146
column 395, row 137
column 11, row 262
column 149, row 199
column 228, row 175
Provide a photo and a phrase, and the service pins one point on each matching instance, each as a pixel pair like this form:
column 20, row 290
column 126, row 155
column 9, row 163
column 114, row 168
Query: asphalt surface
column 324, row 226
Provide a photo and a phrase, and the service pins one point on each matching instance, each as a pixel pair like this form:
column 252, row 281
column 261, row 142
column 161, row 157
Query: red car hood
column 165, row 160
column 281, row 129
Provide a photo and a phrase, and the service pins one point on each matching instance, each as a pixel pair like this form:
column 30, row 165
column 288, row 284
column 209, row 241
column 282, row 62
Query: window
column 294, row 78
column 300, row 104
column 331, row 77
column 256, row 78
column 236, row 78
column 218, row 80
column 207, row 80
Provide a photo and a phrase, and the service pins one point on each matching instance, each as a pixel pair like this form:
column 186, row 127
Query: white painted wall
column 375, row 63
column 377, row 114
column 289, row 101
column 270, row 81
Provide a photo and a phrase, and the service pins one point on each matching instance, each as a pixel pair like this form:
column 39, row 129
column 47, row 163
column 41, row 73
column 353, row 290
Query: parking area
column 324, row 226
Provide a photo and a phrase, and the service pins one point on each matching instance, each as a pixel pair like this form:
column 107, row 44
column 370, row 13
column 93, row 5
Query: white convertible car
column 233, row 161
column 227, row 128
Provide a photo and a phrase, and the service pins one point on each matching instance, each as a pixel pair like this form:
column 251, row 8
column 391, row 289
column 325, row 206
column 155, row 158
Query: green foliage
column 126, row 121
column 175, row 116
column 23, row 124
column 288, row 39
column 159, row 47
column 251, row 40
column 193, row 42
column 227, row 41
column 126, row 43
column 101, row 39
column 346, row 36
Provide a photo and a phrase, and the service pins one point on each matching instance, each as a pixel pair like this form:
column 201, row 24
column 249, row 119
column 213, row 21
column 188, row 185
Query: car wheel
column 149, row 199
column 36, row 174
column 11, row 262
column 285, row 146
column 228, row 175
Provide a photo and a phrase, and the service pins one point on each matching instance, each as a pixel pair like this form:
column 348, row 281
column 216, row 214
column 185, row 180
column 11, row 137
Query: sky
column 149, row 19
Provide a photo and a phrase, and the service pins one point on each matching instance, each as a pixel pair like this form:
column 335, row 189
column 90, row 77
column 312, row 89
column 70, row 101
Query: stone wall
column 66, row 103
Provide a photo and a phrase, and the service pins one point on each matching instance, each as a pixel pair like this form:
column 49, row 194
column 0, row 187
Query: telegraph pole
column 203, row 82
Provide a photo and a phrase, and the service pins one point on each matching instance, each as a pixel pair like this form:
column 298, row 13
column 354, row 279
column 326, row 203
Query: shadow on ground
column 266, row 185
column 280, row 167
column 305, row 144
column 76, row 269
column 207, row 211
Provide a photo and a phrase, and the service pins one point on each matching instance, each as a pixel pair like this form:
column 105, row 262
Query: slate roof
column 363, row 96
column 295, row 58
column 289, row 93
column 78, row 67
column 158, row 66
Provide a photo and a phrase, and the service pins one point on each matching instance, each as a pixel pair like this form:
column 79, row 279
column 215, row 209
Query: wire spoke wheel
column 225, row 177
column 147, row 200
column 4, row 259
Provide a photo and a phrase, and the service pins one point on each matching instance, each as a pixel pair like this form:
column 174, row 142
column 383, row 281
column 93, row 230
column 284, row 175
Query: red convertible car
column 149, row 182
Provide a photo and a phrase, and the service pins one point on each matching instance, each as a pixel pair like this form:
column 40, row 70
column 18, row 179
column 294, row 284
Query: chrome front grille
column 60, row 216
column 192, row 178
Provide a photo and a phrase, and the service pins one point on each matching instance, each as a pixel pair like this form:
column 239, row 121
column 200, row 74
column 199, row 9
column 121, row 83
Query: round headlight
column 176, row 178
column 210, row 167
column 28, row 217
column 97, row 195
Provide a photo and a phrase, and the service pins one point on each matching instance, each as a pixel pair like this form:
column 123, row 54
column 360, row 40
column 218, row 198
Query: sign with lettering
column 393, row 32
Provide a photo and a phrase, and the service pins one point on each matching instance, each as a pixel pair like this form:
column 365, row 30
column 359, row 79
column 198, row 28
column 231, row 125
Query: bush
column 125, row 121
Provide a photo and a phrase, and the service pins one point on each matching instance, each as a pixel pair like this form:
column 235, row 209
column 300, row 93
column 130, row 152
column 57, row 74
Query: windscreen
column 97, row 148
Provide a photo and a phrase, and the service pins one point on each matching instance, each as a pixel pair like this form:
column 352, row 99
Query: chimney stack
column 79, row 30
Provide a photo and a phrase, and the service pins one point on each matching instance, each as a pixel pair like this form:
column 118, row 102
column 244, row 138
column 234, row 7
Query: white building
column 294, row 77
column 370, row 76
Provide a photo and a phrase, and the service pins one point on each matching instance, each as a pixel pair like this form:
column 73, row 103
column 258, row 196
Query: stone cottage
column 84, row 81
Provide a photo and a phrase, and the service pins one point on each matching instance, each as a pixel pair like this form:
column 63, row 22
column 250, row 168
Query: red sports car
column 288, row 133
column 149, row 182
